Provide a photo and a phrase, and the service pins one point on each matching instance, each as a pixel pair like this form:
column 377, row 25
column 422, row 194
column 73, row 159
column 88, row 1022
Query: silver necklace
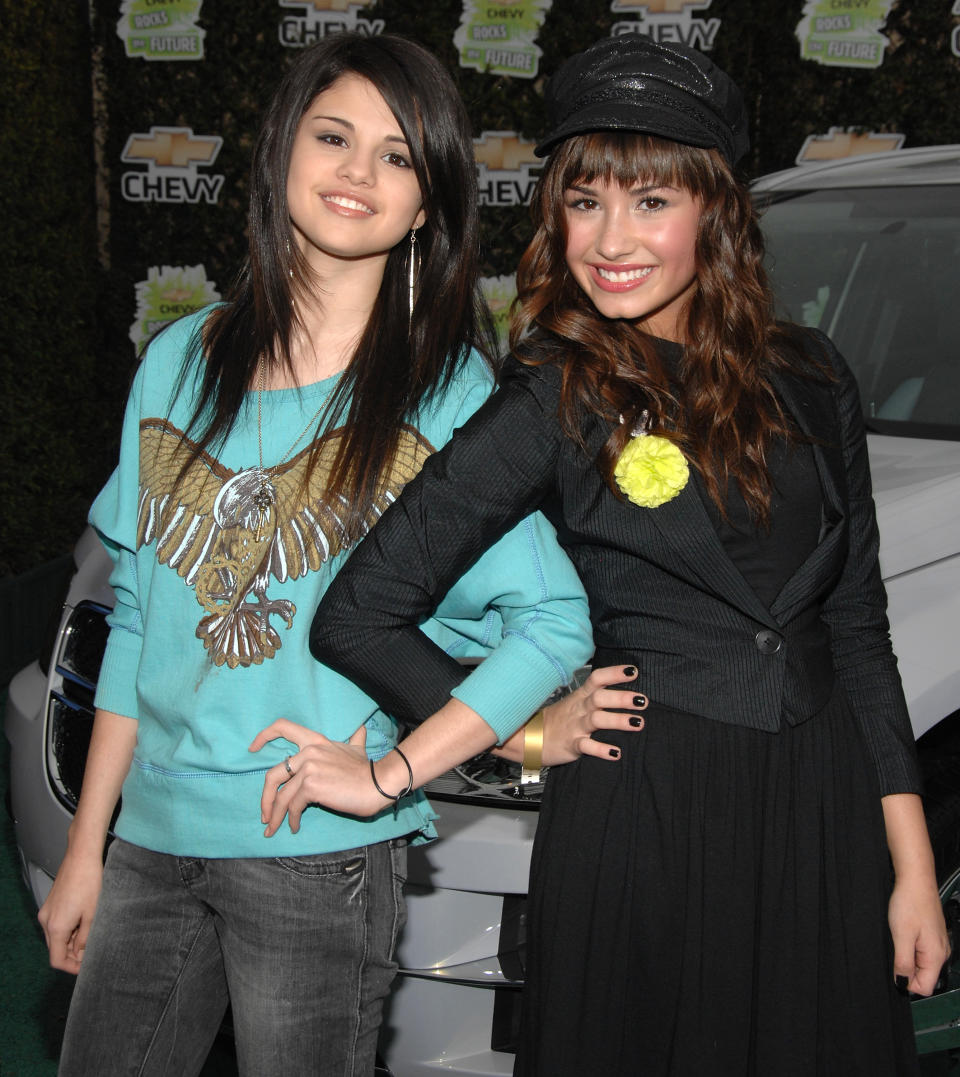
column 265, row 494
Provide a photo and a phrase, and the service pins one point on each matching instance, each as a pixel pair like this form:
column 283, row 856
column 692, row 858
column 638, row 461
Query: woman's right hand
column 67, row 913
column 569, row 723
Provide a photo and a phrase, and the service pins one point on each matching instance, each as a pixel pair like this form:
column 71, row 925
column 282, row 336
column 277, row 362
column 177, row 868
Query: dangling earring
column 414, row 256
column 289, row 259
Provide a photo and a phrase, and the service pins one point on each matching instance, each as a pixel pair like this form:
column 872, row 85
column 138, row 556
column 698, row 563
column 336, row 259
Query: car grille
column 70, row 708
column 488, row 780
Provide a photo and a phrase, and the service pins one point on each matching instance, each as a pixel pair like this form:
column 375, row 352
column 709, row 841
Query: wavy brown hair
column 719, row 407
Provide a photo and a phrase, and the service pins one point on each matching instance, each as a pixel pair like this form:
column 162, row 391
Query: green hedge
column 52, row 375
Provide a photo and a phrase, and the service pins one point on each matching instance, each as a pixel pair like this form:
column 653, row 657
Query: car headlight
column 70, row 708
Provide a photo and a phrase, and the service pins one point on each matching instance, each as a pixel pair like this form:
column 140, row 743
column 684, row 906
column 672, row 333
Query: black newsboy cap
column 632, row 83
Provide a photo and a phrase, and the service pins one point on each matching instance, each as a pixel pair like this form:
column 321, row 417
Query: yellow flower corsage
column 651, row 469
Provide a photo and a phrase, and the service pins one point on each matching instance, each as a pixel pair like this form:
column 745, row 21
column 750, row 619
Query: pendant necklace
column 265, row 494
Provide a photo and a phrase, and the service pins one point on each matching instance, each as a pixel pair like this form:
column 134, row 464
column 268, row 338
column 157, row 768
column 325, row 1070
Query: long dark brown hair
column 398, row 363
column 721, row 410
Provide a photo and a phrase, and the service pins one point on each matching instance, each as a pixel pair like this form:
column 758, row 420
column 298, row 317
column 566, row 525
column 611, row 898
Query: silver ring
column 286, row 763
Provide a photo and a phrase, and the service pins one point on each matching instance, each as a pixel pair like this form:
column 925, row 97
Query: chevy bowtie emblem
column 171, row 147
column 327, row 5
column 852, row 142
column 504, row 150
column 660, row 7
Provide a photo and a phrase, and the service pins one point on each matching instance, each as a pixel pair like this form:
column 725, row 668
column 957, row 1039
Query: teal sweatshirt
column 209, row 635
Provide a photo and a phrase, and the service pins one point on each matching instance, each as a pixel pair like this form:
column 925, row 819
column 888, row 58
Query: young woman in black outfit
column 719, row 902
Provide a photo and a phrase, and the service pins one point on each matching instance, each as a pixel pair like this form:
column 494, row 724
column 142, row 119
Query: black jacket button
column 768, row 641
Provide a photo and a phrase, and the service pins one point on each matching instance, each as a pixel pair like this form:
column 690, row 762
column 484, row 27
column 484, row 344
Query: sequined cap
column 631, row 83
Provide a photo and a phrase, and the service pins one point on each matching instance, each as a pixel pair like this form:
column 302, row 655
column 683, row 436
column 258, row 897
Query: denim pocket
column 348, row 863
column 398, row 860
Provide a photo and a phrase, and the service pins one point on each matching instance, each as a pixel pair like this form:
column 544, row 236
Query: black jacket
column 664, row 594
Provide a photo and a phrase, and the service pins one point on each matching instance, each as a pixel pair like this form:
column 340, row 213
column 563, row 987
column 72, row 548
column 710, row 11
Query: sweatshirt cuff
column 117, row 684
column 510, row 685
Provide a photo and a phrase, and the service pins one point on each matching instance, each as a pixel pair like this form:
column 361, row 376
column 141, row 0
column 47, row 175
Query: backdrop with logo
column 131, row 125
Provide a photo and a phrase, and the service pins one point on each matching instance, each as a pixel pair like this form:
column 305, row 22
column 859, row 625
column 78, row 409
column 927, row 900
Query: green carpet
column 35, row 997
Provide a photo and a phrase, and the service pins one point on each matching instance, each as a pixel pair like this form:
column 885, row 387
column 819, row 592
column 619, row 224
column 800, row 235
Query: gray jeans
column 301, row 947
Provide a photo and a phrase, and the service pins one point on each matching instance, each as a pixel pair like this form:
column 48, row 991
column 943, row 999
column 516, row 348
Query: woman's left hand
column 326, row 772
column 921, row 943
column 596, row 705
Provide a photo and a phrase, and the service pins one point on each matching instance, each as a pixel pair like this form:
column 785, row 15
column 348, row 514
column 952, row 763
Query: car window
column 877, row 269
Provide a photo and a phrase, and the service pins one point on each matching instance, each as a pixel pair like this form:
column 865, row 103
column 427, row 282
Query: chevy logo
column 171, row 147
column 171, row 155
column 839, row 143
column 500, row 150
column 326, row 5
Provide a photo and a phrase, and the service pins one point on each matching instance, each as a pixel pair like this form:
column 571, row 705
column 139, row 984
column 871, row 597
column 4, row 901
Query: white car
column 867, row 249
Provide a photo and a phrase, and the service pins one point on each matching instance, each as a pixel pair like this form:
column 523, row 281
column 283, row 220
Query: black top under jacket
column 665, row 595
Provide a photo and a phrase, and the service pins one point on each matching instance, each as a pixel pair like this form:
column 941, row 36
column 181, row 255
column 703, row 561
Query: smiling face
column 351, row 189
column 633, row 251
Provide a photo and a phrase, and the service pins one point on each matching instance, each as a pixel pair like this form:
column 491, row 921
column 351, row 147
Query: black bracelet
column 403, row 792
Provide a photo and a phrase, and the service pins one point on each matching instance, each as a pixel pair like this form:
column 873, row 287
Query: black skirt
column 714, row 903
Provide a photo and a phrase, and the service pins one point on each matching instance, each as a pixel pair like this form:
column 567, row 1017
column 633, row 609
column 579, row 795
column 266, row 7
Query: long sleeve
column 114, row 517
column 855, row 611
column 497, row 468
column 539, row 611
column 115, row 512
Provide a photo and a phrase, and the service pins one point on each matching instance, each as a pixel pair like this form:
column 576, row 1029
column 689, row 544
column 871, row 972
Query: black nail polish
column 637, row 723
column 639, row 701
column 629, row 672
column 901, row 984
column 614, row 753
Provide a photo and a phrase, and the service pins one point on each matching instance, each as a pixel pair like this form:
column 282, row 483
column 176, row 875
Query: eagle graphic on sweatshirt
column 229, row 533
